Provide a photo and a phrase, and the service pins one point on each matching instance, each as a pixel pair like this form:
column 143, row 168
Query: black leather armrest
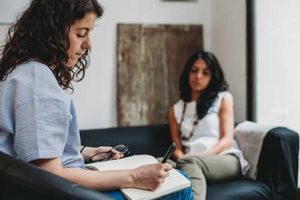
column 278, row 163
column 20, row 180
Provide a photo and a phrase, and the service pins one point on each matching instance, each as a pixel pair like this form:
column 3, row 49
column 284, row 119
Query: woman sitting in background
column 202, row 125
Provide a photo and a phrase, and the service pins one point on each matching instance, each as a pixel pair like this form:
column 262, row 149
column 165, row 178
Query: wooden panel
column 150, row 59
column 188, row 39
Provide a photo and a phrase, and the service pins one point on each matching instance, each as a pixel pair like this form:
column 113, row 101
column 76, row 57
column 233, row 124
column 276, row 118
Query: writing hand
column 151, row 176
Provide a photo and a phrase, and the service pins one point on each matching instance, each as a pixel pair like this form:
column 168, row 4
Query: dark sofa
column 277, row 168
column 277, row 165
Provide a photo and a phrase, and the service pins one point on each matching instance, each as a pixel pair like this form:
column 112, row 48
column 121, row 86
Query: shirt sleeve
column 41, row 128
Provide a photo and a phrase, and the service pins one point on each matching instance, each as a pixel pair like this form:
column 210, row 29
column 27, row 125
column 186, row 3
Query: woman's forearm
column 100, row 180
column 221, row 146
column 144, row 177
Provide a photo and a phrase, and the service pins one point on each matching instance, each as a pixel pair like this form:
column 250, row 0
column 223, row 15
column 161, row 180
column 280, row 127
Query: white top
column 207, row 131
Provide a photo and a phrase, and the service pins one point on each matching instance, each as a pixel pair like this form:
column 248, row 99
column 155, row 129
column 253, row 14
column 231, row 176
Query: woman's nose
column 199, row 75
column 87, row 44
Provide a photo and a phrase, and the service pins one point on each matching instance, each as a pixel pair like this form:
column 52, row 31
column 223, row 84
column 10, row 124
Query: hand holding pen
column 169, row 152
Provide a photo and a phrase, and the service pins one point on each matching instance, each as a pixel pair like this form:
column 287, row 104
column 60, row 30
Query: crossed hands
column 150, row 176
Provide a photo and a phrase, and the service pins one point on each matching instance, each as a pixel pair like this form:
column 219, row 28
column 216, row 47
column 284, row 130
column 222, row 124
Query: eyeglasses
column 108, row 154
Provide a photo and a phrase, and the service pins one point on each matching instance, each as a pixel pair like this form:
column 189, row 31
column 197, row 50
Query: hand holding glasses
column 103, row 156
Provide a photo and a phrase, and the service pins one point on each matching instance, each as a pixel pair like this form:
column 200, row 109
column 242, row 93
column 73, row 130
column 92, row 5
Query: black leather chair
column 277, row 166
column 22, row 181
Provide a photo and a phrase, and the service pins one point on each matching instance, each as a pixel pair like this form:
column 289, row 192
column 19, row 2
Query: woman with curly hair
column 202, row 125
column 46, row 49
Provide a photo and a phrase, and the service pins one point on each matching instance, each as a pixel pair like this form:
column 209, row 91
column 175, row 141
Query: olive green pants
column 203, row 169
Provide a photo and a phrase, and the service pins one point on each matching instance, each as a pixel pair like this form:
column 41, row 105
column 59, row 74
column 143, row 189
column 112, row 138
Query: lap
column 182, row 194
column 116, row 194
column 214, row 167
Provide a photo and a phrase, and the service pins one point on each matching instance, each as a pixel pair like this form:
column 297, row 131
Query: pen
column 169, row 152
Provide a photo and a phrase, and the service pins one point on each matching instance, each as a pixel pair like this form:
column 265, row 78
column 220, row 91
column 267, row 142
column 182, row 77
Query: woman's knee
column 185, row 160
column 190, row 164
column 191, row 160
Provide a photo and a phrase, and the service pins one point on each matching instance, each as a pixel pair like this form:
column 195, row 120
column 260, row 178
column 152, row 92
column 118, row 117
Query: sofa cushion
column 148, row 139
column 254, row 132
column 239, row 190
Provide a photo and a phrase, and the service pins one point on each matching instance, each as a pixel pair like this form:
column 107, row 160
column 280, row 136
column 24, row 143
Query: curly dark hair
column 216, row 84
column 41, row 33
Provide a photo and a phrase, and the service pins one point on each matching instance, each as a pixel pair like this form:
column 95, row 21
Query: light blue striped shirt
column 37, row 117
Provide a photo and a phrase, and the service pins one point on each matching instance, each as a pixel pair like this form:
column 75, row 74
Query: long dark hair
column 41, row 33
column 216, row 84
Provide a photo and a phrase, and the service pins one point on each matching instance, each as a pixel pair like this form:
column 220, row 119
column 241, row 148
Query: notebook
column 174, row 182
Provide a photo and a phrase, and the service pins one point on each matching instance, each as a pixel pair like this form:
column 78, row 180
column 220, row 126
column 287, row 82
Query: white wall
column 277, row 64
column 10, row 9
column 95, row 96
column 228, row 42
